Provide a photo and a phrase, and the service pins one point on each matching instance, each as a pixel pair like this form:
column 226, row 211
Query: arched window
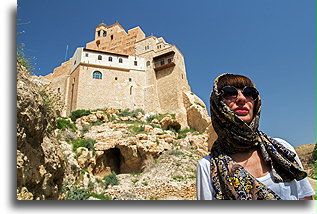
column 110, row 59
column 99, row 57
column 120, row 60
column 148, row 63
column 97, row 75
column 131, row 90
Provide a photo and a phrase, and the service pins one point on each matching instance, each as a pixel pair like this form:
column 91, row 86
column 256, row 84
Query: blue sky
column 271, row 41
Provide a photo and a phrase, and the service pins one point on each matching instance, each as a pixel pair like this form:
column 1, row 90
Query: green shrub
column 178, row 177
column 127, row 113
column 183, row 133
column 85, row 129
column 111, row 179
column 63, row 124
column 136, row 129
column 87, row 143
column 76, row 193
column 79, row 113
column 159, row 117
column 23, row 60
column 136, row 111
column 101, row 196
column 124, row 113
column 175, row 152
column 96, row 123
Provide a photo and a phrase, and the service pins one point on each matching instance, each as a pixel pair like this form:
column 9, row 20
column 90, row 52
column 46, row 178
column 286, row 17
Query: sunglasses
column 231, row 93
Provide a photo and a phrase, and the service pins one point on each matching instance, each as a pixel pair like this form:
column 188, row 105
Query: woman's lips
column 241, row 111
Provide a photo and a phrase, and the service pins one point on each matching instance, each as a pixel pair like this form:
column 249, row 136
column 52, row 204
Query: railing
column 164, row 63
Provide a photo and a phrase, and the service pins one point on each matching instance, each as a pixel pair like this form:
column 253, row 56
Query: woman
column 245, row 163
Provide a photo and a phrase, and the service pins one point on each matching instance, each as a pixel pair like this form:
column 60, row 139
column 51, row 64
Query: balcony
column 164, row 61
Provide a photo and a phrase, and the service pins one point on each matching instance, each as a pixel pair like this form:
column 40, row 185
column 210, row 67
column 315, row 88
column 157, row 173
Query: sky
column 270, row 41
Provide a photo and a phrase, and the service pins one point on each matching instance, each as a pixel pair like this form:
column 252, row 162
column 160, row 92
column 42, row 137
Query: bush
column 127, row 112
column 87, row 143
column 63, row 124
column 101, row 196
column 175, row 152
column 77, row 193
column 111, row 179
column 159, row 117
column 79, row 113
column 183, row 133
column 136, row 129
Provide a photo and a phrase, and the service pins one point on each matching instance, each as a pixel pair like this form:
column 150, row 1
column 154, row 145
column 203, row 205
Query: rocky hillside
column 40, row 164
column 307, row 155
column 110, row 154
column 129, row 155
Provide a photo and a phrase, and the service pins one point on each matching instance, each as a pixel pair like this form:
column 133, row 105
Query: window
column 59, row 90
column 86, row 55
column 104, row 34
column 111, row 37
column 98, row 33
column 74, row 62
column 99, row 57
column 130, row 79
column 135, row 63
column 120, row 60
column 169, row 60
column 110, row 59
column 162, row 62
column 148, row 63
column 116, row 78
column 97, row 75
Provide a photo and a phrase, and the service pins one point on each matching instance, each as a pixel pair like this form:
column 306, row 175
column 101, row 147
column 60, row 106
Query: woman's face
column 242, row 106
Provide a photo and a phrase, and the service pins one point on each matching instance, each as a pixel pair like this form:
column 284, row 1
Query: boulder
column 197, row 115
column 168, row 122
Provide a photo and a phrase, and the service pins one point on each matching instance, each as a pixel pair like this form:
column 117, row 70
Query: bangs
column 235, row 80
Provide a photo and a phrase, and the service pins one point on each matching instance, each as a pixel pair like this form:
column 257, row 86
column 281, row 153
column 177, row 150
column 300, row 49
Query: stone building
column 120, row 69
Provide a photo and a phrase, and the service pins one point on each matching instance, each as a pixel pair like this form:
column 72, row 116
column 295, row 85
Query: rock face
column 307, row 155
column 197, row 115
column 40, row 165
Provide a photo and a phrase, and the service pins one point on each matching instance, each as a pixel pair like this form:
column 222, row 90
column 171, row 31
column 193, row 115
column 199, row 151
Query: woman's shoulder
column 284, row 143
column 204, row 162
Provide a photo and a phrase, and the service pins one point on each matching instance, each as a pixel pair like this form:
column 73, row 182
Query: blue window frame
column 97, row 75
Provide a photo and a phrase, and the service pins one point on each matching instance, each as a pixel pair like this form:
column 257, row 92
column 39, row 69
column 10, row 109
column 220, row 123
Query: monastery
column 123, row 70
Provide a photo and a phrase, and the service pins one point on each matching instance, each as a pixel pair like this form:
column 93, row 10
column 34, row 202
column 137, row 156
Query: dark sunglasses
column 230, row 92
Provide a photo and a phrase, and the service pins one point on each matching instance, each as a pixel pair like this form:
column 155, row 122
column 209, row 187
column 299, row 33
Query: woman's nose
column 240, row 97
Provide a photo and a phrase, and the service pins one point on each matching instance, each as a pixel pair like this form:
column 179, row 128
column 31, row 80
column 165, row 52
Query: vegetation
column 79, row 113
column 127, row 113
column 136, row 129
column 111, row 179
column 175, row 152
column 159, row 117
column 78, row 192
column 87, row 143
column 23, row 60
column 63, row 124
column 178, row 177
column 101, row 196
column 183, row 133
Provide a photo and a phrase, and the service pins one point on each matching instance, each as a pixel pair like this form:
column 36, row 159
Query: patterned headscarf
column 231, row 180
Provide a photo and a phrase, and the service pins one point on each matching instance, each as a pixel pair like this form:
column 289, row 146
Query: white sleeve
column 204, row 189
column 304, row 187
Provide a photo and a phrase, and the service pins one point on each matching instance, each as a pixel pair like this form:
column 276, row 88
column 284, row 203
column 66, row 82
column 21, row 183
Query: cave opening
column 113, row 160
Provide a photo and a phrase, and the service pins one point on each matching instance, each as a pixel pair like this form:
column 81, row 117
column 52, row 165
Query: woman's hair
column 235, row 80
